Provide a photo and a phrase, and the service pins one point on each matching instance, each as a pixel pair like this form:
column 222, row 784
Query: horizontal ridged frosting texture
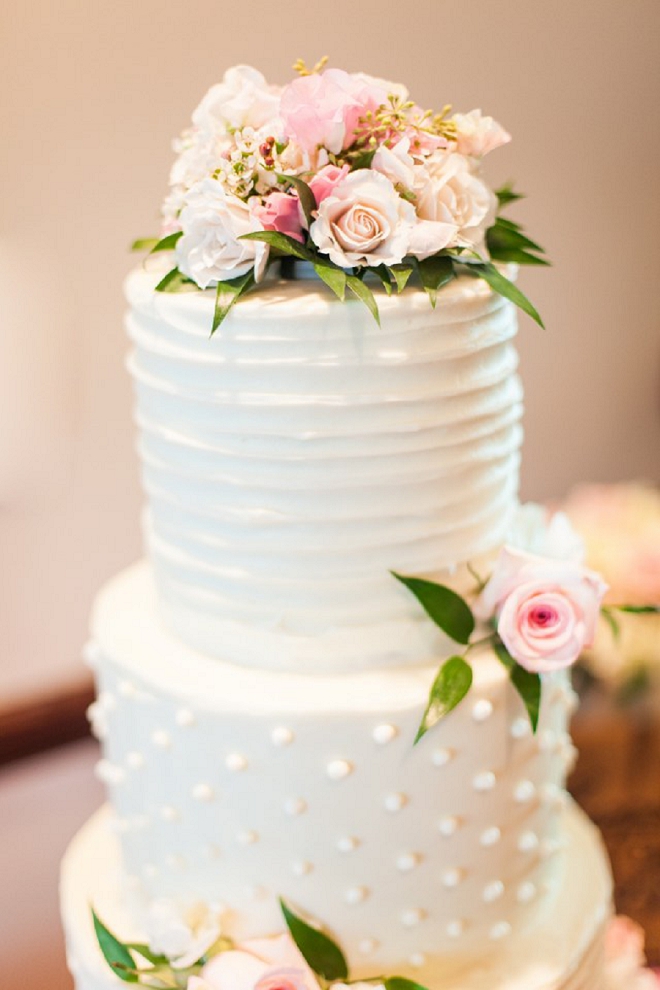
column 301, row 454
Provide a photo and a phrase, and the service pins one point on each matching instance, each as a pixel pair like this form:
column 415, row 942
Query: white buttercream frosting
column 301, row 454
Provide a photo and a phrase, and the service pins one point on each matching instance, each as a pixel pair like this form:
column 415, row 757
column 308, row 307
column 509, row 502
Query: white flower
column 212, row 222
column 242, row 99
column 476, row 135
column 396, row 163
column 363, row 222
column 449, row 191
column 182, row 936
column 389, row 88
column 537, row 531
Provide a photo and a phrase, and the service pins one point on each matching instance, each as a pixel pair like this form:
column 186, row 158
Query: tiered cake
column 262, row 675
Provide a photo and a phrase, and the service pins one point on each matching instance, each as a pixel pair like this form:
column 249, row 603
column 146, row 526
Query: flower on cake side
column 539, row 611
column 193, row 955
column 342, row 171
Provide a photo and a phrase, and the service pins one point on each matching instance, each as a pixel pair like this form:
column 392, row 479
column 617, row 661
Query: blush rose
column 280, row 212
column 546, row 610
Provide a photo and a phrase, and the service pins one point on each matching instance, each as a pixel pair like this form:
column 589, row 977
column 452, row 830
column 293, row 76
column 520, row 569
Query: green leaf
column 636, row 684
column 527, row 684
column 333, row 277
column 612, row 621
column 400, row 274
column 506, row 195
column 115, row 953
column 146, row 953
column 305, row 195
column 317, row 948
column 363, row 159
column 517, row 256
column 512, row 236
column 144, row 244
column 638, row 609
column 227, row 293
column 174, row 281
column 447, row 609
column 507, row 223
column 167, row 243
column 282, row 242
column 382, row 273
column 452, row 683
column 434, row 272
column 401, row 983
column 364, row 294
column 498, row 283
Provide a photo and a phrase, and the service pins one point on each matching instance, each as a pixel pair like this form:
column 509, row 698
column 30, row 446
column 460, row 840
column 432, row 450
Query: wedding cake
column 334, row 699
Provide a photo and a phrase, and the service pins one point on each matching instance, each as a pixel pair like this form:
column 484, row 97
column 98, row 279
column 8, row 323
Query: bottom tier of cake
column 561, row 947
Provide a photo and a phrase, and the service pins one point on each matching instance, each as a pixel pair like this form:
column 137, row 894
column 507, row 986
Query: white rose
column 182, row 936
column 363, row 222
column 242, row 99
column 449, row 191
column 476, row 135
column 210, row 250
column 396, row 163
column 536, row 530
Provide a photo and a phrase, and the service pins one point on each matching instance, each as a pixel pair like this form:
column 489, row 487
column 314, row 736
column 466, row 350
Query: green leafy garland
column 505, row 241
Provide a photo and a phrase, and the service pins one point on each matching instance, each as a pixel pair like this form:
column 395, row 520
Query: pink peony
column 259, row 964
column 324, row 110
column 546, row 609
column 279, row 211
column 325, row 180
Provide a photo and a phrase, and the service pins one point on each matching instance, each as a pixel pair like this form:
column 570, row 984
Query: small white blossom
column 184, row 936
column 242, row 99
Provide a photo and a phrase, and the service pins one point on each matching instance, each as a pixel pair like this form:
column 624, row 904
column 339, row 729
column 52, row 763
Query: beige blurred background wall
column 92, row 92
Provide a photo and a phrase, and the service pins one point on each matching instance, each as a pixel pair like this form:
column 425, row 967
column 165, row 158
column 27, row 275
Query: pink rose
column 325, row 180
column 324, row 110
column 259, row 964
column 280, row 211
column 546, row 609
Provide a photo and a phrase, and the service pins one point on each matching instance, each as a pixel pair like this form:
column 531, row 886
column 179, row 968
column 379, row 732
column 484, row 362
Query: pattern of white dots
column 161, row 739
column 281, row 736
column 412, row 917
column 384, row 734
column 417, row 960
column 247, row 837
column 203, row 792
column 500, row 930
column 448, row 825
column 108, row 773
column 524, row 791
column 528, row 841
column 493, row 891
column 347, row 843
column 451, row 878
column 490, row 836
column 185, row 719
column 91, row 654
column 338, row 769
column 134, row 760
column 441, row 757
column 236, row 762
column 176, row 861
column 367, row 946
column 127, row 689
column 526, row 892
column 169, row 813
column 482, row 710
column 484, row 781
column 395, row 802
column 408, row 861
column 455, row 928
column 301, row 868
column 520, row 727
column 355, row 895
column 295, row 806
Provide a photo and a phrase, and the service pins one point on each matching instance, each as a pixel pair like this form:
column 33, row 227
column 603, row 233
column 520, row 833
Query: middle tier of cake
column 240, row 786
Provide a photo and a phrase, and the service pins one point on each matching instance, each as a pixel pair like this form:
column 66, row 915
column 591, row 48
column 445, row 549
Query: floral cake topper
column 345, row 172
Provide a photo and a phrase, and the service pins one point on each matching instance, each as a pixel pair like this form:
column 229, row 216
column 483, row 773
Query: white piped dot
column 572, row 701
column 247, row 837
column 367, row 946
column 355, row 895
column 550, row 847
column 482, row 710
column 236, row 762
column 408, row 861
column 91, row 654
column 412, row 917
column 441, row 757
column 493, row 891
column 185, row 719
column 212, row 851
column 347, row 843
column 448, row 825
column 295, row 806
column 108, row 773
column 395, row 801
column 127, row 689
column 455, row 928
column 339, row 769
column 528, row 841
column 281, row 736
column 520, row 727
column 161, row 739
column 384, row 734
column 169, row 813
column 203, row 792
column 553, row 795
column 257, row 892
column 134, row 760
column 417, row 960
column 149, row 871
column 451, row 878
column 107, row 701
column 301, row 868
column 524, row 791
column 490, row 836
column 526, row 892
column 175, row 861
column 484, row 781
column 500, row 930
column 547, row 740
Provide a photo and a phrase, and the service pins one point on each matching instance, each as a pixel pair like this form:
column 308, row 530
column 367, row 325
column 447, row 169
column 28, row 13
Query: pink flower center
column 544, row 616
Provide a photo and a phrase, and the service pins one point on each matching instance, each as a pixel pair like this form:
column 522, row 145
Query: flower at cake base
column 212, row 222
column 323, row 110
column 363, row 222
column 182, row 936
column 281, row 212
column 624, row 957
column 259, row 964
column 449, row 191
column 546, row 610
column 477, row 135
column 242, row 99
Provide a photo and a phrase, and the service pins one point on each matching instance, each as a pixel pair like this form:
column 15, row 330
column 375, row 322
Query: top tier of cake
column 303, row 453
